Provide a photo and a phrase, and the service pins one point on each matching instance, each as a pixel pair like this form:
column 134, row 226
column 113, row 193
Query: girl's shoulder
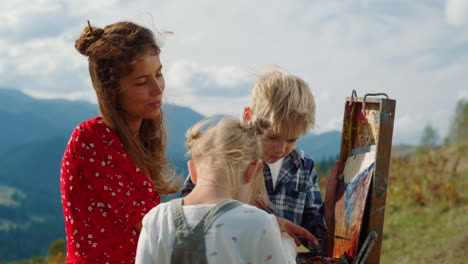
column 250, row 209
column 162, row 210
column 246, row 214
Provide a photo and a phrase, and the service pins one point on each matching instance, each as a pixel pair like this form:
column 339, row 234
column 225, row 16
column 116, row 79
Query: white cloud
column 331, row 123
column 404, row 127
column 456, row 11
column 49, row 64
column 179, row 75
column 403, row 48
column 34, row 19
column 190, row 78
column 226, row 75
column 463, row 95
column 90, row 6
column 89, row 96
column 211, row 105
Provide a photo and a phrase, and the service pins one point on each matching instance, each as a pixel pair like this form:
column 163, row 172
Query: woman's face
column 142, row 90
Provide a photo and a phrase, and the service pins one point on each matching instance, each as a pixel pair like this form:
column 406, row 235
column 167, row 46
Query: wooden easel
column 367, row 123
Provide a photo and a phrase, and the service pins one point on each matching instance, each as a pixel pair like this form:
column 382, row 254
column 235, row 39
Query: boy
column 290, row 179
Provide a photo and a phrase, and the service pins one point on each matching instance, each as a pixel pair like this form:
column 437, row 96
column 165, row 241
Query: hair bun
column 89, row 35
column 195, row 132
column 257, row 127
column 261, row 125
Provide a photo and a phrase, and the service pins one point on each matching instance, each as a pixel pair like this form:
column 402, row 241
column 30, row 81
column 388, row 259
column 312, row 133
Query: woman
column 112, row 170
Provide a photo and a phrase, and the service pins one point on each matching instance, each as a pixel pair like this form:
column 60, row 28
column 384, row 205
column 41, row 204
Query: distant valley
column 33, row 137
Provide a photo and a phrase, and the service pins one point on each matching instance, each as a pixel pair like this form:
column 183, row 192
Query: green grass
column 426, row 219
column 430, row 234
column 426, row 216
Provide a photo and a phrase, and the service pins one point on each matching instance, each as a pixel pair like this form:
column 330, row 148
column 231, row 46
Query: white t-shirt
column 275, row 169
column 244, row 234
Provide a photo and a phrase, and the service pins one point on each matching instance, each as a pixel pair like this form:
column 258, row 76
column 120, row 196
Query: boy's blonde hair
column 230, row 146
column 285, row 100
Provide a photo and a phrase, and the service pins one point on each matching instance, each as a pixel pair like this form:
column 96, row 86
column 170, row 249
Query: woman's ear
column 192, row 170
column 247, row 115
column 251, row 171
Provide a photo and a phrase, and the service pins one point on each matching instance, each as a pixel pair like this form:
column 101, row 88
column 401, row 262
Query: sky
column 414, row 51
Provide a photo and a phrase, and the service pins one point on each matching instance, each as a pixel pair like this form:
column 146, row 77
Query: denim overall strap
column 189, row 245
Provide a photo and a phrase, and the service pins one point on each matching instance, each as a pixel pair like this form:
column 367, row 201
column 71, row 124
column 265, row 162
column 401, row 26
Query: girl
column 208, row 225
column 112, row 170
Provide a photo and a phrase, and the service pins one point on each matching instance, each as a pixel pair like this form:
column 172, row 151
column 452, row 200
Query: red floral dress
column 104, row 195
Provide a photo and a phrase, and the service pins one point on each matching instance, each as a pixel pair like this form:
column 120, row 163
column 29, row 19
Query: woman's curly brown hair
column 112, row 52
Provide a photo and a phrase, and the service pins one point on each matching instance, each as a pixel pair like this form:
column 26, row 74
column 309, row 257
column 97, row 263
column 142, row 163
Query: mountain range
column 33, row 136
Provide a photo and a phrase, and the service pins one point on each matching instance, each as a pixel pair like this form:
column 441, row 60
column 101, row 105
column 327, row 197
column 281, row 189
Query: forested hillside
column 31, row 148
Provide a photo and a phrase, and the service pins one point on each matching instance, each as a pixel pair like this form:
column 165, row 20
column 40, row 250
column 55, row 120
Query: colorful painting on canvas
column 349, row 209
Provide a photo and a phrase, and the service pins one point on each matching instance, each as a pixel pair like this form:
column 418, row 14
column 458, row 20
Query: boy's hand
column 294, row 230
column 286, row 235
column 259, row 203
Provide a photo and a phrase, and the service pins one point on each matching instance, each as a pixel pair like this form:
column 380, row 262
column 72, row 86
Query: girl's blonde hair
column 285, row 100
column 230, row 146
column 111, row 53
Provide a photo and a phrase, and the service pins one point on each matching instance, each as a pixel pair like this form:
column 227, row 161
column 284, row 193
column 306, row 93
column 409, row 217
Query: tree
column 57, row 248
column 429, row 137
column 458, row 130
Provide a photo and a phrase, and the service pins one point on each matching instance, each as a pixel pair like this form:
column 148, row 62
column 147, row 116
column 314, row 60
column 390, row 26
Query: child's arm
column 149, row 248
column 272, row 247
column 294, row 231
column 313, row 216
column 143, row 254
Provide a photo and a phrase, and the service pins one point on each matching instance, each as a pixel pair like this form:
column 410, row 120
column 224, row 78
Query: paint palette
column 307, row 258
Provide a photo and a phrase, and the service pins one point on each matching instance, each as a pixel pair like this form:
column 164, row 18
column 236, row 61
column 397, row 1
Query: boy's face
column 277, row 146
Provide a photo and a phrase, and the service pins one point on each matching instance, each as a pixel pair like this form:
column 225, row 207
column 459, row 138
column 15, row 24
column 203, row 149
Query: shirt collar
column 298, row 157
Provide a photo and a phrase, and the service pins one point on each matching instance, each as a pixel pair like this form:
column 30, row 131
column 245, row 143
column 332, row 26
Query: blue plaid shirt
column 296, row 196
